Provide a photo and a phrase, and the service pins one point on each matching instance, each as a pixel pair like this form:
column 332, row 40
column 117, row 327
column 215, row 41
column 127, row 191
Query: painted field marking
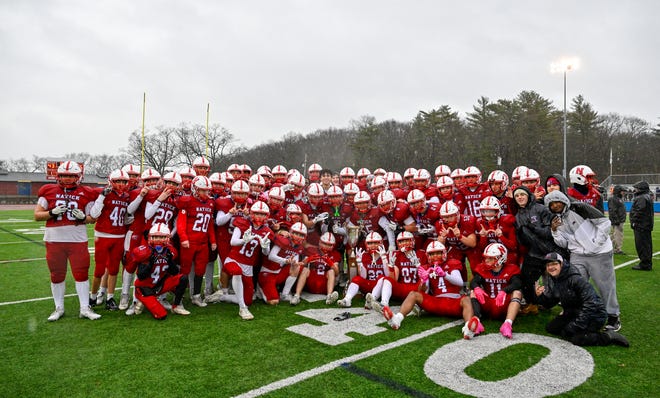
column 338, row 363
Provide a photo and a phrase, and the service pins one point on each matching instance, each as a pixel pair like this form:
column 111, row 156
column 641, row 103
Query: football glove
column 128, row 219
column 500, row 299
column 425, row 231
column 247, row 236
column 57, row 210
column 287, row 187
column 321, row 217
column 423, row 274
column 78, row 214
column 359, row 252
column 439, row 271
column 479, row 294
column 392, row 226
column 107, row 190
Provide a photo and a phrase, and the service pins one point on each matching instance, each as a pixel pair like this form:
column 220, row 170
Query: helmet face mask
column 450, row 220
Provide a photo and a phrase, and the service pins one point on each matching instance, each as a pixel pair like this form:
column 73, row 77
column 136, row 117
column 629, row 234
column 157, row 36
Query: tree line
column 526, row 130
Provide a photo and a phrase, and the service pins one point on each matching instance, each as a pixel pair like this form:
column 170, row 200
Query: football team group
column 277, row 233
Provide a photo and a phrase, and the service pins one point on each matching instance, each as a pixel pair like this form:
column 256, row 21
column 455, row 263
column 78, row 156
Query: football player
column 439, row 292
column 495, row 227
column 109, row 211
column 320, row 270
column 373, row 264
column 158, row 274
column 196, row 232
column 283, row 264
column 584, row 188
column 64, row 207
column 496, row 285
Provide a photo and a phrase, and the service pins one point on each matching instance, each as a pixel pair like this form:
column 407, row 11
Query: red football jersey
column 65, row 227
column 195, row 222
column 592, row 197
column 407, row 265
column 248, row 253
column 439, row 287
column 111, row 219
column 496, row 282
column 473, row 198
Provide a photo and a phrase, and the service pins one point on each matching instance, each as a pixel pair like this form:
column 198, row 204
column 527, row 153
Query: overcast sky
column 72, row 73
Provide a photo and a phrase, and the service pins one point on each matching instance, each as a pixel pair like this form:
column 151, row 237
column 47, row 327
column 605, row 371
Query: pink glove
column 500, row 299
column 439, row 271
column 423, row 274
column 479, row 294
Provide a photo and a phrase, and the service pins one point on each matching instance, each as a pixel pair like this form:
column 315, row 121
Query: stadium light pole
column 564, row 66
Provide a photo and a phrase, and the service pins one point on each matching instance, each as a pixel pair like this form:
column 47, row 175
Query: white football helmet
column 498, row 251
column 580, row 174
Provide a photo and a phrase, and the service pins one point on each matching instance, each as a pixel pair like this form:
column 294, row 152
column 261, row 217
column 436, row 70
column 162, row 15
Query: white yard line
column 335, row 364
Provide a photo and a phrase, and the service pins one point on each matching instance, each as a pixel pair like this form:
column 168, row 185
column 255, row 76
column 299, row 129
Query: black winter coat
column 578, row 299
column 616, row 209
column 641, row 212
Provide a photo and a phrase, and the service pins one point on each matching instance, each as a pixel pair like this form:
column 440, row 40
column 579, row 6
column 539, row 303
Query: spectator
column 641, row 221
column 533, row 232
column 583, row 315
column 617, row 215
column 584, row 231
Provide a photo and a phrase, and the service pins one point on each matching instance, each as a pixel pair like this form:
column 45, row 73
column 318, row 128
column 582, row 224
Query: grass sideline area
column 213, row 353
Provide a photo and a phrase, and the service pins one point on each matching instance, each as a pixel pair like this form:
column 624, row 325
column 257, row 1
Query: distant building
column 17, row 188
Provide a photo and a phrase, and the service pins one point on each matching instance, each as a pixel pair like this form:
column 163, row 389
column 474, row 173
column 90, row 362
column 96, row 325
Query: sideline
column 339, row 362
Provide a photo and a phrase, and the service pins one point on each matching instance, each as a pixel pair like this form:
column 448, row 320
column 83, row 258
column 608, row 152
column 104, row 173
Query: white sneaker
column 197, row 300
column 245, row 314
column 57, row 314
column 179, row 309
column 166, row 304
column 285, row 297
column 368, row 301
column 331, row 298
column 100, row 298
column 88, row 313
column 344, row 303
column 123, row 302
column 295, row 300
column 214, row 297
column 139, row 307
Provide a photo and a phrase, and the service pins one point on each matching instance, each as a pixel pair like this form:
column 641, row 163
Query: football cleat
column 378, row 307
column 416, row 311
column 57, row 314
column 245, row 314
column 295, row 300
column 285, row 297
column 197, row 300
column 368, row 301
column 180, row 310
column 214, row 297
column 123, row 302
column 470, row 328
column 166, row 304
column 393, row 320
column 344, row 303
column 110, row 304
column 331, row 298
column 100, row 298
column 88, row 313
column 139, row 307
column 506, row 330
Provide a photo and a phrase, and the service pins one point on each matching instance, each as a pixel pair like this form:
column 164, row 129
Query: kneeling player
column 322, row 268
column 158, row 274
column 442, row 283
column 372, row 265
column 496, row 287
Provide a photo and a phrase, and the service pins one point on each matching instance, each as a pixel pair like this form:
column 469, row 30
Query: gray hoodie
column 582, row 230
